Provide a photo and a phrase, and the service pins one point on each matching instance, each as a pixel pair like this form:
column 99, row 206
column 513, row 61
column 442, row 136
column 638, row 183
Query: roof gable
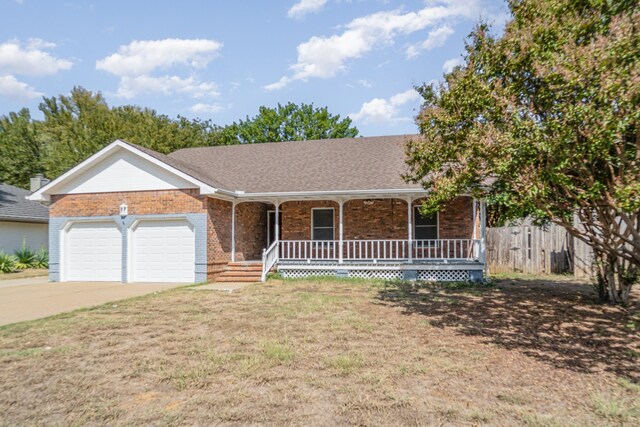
column 123, row 170
column 151, row 167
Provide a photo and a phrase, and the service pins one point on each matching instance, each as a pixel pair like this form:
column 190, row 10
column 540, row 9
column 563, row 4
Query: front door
column 271, row 226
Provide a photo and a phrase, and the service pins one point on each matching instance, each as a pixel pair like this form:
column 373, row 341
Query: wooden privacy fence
column 529, row 249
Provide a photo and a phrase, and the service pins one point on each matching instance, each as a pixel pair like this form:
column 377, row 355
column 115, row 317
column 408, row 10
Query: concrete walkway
column 33, row 298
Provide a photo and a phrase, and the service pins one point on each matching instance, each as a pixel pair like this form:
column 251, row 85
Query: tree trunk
column 614, row 278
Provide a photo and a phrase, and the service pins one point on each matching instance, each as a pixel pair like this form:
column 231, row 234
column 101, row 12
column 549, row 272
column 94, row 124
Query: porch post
column 233, row 231
column 410, row 227
column 340, row 245
column 483, row 237
column 475, row 219
column 276, row 226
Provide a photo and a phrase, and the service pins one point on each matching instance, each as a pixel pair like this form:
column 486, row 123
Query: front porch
column 391, row 259
column 362, row 238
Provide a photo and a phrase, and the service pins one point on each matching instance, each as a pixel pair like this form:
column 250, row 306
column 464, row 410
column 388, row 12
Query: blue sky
column 221, row 60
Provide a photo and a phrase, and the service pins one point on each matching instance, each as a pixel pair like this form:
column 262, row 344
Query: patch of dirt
column 328, row 353
column 25, row 274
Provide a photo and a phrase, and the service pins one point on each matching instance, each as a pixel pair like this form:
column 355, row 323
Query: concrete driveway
column 33, row 298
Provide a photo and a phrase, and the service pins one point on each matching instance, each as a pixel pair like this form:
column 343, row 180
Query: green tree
column 21, row 149
column 550, row 112
column 77, row 126
column 290, row 122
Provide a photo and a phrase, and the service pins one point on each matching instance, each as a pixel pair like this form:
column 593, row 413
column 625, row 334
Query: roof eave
column 332, row 194
column 24, row 219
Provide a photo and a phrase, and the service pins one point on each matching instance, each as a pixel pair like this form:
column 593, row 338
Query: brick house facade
column 168, row 203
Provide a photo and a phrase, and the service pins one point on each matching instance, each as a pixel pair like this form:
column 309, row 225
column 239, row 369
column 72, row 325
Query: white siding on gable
column 123, row 171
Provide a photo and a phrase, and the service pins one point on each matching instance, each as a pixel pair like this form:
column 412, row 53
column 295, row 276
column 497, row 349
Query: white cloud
column 304, row 7
column 135, row 63
column 436, row 38
column 202, row 108
column 142, row 57
column 30, row 59
column 11, row 88
column 324, row 57
column 129, row 87
column 380, row 110
column 450, row 64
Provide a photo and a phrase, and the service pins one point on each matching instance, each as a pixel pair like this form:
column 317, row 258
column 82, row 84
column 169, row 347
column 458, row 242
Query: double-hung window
column 426, row 226
column 322, row 224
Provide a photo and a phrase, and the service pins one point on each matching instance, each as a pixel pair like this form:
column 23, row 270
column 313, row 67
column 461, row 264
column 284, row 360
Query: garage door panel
column 163, row 251
column 93, row 252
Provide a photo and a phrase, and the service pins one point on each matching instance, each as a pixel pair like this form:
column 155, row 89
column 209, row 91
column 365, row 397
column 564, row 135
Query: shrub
column 41, row 259
column 25, row 258
column 7, row 262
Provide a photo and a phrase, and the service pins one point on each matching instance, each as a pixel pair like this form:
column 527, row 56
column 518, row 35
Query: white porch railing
column 269, row 259
column 379, row 250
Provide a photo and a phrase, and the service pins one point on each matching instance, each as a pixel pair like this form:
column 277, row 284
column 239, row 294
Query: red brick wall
column 375, row 219
column 139, row 203
column 296, row 218
column 251, row 230
column 456, row 219
column 218, row 236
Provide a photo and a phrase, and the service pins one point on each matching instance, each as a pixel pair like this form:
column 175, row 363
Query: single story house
column 305, row 208
column 22, row 221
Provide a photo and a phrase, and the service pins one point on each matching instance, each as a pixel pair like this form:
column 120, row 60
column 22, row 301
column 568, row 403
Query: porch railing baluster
column 380, row 249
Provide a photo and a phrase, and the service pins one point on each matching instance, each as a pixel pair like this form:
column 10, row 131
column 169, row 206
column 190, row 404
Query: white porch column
column 340, row 229
column 233, row 232
column 276, row 225
column 475, row 219
column 483, row 237
column 410, row 227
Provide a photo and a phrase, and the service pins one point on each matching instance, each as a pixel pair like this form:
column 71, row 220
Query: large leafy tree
column 21, row 150
column 290, row 122
column 78, row 125
column 549, row 111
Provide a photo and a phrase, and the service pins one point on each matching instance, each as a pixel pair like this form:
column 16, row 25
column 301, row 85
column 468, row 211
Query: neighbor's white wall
column 13, row 233
column 123, row 171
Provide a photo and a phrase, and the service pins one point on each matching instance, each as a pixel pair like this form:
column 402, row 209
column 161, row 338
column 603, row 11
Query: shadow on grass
column 554, row 321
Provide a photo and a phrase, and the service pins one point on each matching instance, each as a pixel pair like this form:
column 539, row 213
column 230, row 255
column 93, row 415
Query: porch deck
column 395, row 259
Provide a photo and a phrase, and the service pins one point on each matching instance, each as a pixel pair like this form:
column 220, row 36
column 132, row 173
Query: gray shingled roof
column 372, row 163
column 15, row 207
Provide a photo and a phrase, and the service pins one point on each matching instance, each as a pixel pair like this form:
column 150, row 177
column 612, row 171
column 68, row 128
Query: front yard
column 326, row 353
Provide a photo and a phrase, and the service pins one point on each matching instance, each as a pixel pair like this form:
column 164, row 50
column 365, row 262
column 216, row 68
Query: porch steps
column 241, row 272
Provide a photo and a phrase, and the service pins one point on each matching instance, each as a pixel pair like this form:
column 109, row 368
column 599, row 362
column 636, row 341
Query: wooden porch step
column 242, row 271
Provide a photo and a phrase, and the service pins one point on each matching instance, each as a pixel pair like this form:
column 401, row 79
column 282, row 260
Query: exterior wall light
column 124, row 210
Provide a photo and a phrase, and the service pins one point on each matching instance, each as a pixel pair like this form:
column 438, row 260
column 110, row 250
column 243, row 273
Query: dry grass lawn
column 522, row 352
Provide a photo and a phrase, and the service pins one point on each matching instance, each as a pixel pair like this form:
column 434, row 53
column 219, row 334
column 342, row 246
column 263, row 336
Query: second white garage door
column 163, row 251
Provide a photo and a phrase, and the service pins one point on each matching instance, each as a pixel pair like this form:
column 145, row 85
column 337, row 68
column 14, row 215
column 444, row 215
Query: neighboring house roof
column 372, row 163
column 15, row 207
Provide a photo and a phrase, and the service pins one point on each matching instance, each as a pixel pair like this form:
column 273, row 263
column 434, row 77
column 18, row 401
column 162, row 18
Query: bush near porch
column 520, row 352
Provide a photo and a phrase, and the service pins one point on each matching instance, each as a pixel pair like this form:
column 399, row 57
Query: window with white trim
column 425, row 226
column 322, row 224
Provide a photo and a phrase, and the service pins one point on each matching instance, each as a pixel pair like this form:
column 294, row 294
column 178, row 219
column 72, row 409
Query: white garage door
column 92, row 251
column 163, row 251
